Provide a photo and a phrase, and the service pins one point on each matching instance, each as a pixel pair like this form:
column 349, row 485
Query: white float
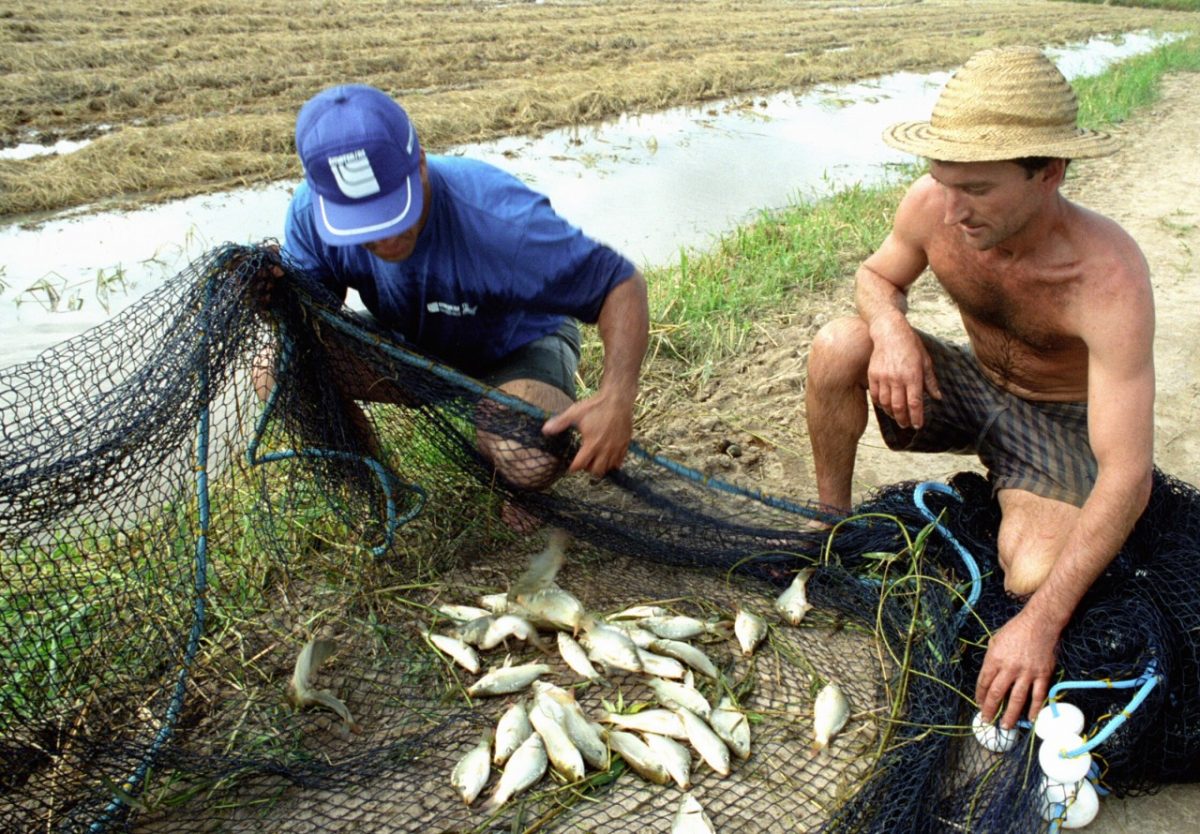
column 1068, row 720
column 992, row 736
column 1058, row 767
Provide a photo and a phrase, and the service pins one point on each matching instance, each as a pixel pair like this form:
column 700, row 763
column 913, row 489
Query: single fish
column 555, row 607
column 582, row 732
column 473, row 631
column 673, row 695
column 662, row 722
column 687, row 653
column 677, row 627
column 462, row 613
column 511, row 732
column 525, row 767
column 750, row 630
column 793, row 603
column 610, row 646
column 659, row 665
column 575, row 657
column 691, row 819
column 638, row 755
column 543, row 566
column 300, row 690
column 549, row 723
column 640, row 637
column 641, row 612
column 830, row 712
column 732, row 727
column 707, row 743
column 460, row 652
column 472, row 771
column 506, row 626
column 497, row 603
column 508, row 679
column 674, row 756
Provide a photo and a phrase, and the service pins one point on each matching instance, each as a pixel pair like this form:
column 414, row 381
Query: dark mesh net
column 170, row 541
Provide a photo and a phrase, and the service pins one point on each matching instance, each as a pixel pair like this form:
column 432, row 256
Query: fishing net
column 172, row 538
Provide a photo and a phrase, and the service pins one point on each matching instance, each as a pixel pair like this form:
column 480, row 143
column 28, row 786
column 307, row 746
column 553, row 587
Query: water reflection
column 650, row 185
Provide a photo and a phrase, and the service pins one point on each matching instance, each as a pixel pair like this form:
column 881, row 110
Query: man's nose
column 956, row 208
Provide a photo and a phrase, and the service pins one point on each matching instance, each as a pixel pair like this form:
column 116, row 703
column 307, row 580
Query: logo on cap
column 354, row 174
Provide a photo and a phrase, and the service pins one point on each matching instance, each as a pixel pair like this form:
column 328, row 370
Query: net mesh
column 170, row 540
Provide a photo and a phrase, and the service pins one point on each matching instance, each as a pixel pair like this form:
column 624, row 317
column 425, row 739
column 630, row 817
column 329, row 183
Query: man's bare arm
column 1119, row 333
column 605, row 420
column 900, row 370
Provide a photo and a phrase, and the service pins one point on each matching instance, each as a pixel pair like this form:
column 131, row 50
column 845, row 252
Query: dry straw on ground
column 201, row 95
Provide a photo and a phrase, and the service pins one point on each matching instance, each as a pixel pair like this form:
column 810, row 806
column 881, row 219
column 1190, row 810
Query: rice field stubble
column 202, row 96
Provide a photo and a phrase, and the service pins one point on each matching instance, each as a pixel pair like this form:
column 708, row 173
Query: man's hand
column 605, row 425
column 899, row 374
column 260, row 268
column 1019, row 664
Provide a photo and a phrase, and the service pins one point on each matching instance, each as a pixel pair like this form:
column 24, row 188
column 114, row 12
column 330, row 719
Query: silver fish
column 750, row 630
column 473, row 631
column 462, row 613
column 543, row 566
column 672, row 694
column 640, row 637
column 511, row 732
column 732, row 727
column 674, row 756
column 660, row 666
column 507, row 679
column 641, row 612
column 575, row 657
column 661, row 722
column 687, row 653
column 525, row 767
column 793, row 603
column 472, row 771
column 830, row 712
column 691, row 819
column 674, row 628
column 497, row 603
column 610, row 646
column 460, row 652
column 582, row 732
column 638, row 755
column 549, row 722
column 300, row 690
column 509, row 625
column 556, row 607
column 707, row 743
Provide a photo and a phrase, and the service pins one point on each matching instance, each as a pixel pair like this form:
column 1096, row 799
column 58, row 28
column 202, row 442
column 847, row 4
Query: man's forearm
column 877, row 299
column 1104, row 523
column 624, row 326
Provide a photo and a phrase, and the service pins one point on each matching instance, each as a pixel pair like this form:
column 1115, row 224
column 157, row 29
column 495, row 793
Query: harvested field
column 202, row 96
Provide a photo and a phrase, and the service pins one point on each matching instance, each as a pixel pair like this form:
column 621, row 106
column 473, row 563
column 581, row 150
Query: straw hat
column 1002, row 104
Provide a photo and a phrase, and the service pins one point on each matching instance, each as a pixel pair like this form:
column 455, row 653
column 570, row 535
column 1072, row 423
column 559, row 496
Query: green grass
column 1111, row 98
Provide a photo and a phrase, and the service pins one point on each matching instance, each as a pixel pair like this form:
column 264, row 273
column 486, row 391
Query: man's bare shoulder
column 920, row 211
column 1111, row 254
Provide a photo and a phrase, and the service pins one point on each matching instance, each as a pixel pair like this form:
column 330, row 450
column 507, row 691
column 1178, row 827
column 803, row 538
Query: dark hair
column 1033, row 164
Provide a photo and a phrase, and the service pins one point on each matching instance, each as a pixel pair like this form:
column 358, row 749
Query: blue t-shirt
column 494, row 268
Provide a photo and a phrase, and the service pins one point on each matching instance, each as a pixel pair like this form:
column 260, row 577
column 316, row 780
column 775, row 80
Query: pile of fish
column 548, row 729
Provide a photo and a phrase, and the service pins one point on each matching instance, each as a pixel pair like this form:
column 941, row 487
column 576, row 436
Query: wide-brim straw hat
column 1005, row 103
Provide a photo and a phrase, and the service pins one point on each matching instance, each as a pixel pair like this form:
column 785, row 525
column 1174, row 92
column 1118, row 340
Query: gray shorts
column 552, row 359
column 1039, row 447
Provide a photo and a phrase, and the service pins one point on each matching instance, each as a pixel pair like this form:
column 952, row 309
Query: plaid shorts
column 1039, row 447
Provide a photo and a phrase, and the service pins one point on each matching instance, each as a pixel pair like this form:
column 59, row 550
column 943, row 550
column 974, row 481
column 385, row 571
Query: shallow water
column 649, row 185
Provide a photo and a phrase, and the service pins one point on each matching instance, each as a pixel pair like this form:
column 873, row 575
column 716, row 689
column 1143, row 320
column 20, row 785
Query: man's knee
column 1032, row 533
column 840, row 352
column 521, row 455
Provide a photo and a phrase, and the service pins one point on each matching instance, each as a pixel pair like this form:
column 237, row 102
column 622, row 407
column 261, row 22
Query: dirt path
column 747, row 424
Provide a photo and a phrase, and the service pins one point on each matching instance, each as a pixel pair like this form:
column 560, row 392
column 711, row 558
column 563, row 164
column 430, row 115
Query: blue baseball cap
column 362, row 161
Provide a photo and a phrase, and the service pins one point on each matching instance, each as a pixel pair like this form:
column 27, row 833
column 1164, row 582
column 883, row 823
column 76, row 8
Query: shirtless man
column 1054, row 390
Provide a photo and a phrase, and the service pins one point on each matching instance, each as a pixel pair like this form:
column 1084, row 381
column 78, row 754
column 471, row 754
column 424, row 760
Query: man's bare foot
column 517, row 519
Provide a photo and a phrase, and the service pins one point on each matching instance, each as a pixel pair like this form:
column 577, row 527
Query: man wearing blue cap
column 468, row 265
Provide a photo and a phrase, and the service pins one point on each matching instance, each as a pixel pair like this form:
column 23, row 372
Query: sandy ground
column 754, row 407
